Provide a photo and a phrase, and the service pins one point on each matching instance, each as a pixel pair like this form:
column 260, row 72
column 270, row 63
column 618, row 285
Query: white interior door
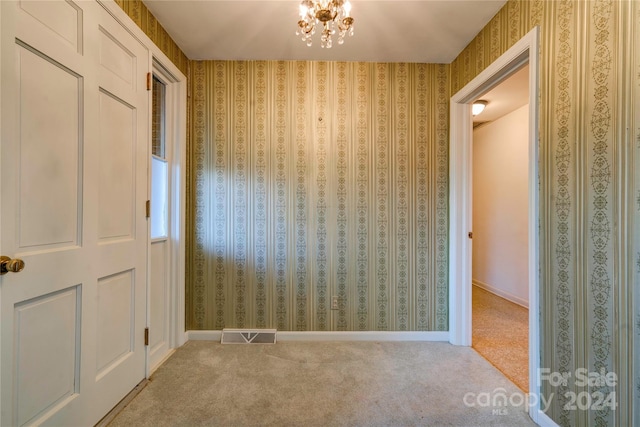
column 74, row 161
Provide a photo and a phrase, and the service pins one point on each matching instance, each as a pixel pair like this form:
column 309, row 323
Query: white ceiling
column 432, row 31
column 505, row 98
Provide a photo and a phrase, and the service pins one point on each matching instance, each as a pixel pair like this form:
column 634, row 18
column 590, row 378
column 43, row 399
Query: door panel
column 117, row 59
column 115, row 320
column 62, row 19
column 121, row 63
column 50, row 138
column 73, row 170
column 118, row 139
column 53, row 348
column 56, row 28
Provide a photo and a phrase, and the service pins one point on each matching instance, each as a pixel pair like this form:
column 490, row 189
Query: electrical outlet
column 334, row 303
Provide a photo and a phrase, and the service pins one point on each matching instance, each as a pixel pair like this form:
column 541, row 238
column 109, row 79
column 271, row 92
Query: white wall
column 500, row 243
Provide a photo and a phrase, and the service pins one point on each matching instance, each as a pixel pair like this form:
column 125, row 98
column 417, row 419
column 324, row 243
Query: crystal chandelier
column 333, row 15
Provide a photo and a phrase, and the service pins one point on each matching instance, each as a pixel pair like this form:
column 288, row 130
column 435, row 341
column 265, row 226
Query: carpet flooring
column 501, row 335
column 205, row 383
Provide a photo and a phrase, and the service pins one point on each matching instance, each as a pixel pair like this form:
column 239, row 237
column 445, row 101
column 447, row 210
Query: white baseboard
column 543, row 420
column 204, row 335
column 502, row 294
column 284, row 336
column 363, row 336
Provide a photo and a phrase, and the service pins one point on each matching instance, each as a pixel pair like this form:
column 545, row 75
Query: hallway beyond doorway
column 501, row 335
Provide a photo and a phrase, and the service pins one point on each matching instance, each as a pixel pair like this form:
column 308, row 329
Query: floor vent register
column 248, row 336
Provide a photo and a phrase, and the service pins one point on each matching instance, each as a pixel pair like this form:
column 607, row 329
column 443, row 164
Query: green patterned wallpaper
column 589, row 142
column 316, row 180
column 144, row 19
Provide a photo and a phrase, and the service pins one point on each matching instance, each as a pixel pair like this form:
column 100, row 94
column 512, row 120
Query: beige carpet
column 323, row 384
column 501, row 335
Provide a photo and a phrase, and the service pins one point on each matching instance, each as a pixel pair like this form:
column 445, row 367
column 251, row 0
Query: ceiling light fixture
column 333, row 15
column 478, row 107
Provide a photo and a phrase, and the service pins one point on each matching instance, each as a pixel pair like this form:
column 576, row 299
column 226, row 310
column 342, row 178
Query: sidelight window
column 159, row 166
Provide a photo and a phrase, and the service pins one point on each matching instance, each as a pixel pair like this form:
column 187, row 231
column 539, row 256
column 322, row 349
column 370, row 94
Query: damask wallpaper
column 589, row 142
column 144, row 19
column 319, row 184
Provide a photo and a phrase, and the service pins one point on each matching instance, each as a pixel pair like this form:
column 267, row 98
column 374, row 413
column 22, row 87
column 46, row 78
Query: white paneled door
column 74, row 167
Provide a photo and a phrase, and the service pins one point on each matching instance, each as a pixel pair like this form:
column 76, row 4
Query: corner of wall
column 148, row 23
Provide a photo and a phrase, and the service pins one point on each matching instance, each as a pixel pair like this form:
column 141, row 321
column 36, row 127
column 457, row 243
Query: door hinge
column 146, row 336
column 148, row 81
column 148, row 208
column 471, row 235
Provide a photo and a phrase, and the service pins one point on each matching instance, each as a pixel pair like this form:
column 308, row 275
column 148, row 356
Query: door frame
column 526, row 50
column 177, row 108
column 172, row 136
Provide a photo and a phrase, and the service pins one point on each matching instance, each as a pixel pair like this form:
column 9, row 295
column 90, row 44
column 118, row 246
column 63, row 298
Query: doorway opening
column 500, row 163
column 521, row 53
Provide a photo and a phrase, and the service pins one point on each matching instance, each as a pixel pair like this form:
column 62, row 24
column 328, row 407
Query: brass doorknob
column 10, row 265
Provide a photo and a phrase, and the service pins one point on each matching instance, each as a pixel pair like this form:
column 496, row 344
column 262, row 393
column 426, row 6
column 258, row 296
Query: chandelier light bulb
column 347, row 8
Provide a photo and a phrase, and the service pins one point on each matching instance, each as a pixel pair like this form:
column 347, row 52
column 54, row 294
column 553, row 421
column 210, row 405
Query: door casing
column 460, row 200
